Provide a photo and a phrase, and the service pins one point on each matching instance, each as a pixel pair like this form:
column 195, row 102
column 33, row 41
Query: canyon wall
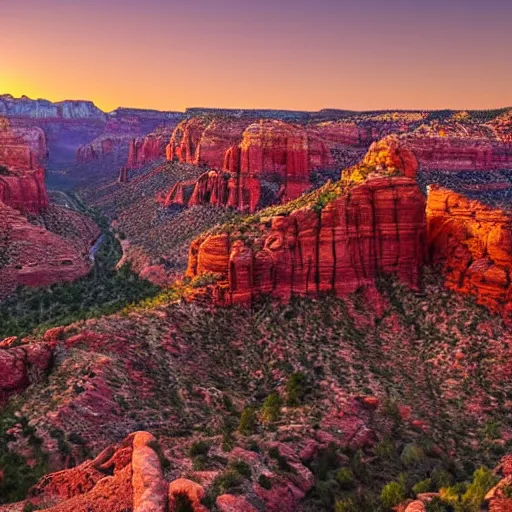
column 473, row 244
column 378, row 226
column 22, row 153
column 148, row 149
column 270, row 160
column 447, row 153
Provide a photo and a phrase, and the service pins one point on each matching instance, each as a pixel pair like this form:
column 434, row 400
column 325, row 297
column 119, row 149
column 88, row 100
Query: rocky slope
column 31, row 255
column 298, row 392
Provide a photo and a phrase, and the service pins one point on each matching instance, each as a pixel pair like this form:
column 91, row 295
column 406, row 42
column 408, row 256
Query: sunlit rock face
column 251, row 152
column 473, row 243
column 378, row 226
column 126, row 476
column 22, row 153
column 148, row 149
column 21, row 148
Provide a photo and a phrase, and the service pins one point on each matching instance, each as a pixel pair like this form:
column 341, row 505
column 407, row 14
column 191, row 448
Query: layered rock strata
column 375, row 227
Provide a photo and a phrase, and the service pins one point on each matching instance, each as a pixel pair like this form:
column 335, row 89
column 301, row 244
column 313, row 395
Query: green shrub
column 241, row 467
column 422, row 486
column 392, row 494
column 247, row 421
column 412, row 455
column 438, row 505
column 346, row 505
column 345, row 478
column 271, row 410
column 199, row 448
column 295, row 389
column 483, row 481
column 265, row 482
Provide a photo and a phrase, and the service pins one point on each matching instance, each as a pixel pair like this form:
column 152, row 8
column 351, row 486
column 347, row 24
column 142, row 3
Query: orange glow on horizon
column 159, row 55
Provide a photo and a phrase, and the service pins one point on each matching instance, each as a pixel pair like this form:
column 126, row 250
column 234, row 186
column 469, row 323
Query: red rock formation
column 146, row 150
column 473, row 243
column 101, row 147
column 22, row 151
column 123, row 477
column 378, row 226
column 21, row 148
column 20, row 366
column 25, row 191
column 185, row 140
column 123, row 175
column 221, row 134
column 454, row 153
column 279, row 152
column 192, row 491
column 33, row 256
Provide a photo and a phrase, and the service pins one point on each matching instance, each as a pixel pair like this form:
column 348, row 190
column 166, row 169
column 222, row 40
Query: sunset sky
column 295, row 54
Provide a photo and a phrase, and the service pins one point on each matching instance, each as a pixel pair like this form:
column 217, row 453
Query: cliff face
column 278, row 152
column 185, row 139
column 25, row 192
column 44, row 109
column 473, row 243
column 270, row 160
column 146, row 150
column 21, row 149
column 101, row 147
column 453, row 153
column 374, row 227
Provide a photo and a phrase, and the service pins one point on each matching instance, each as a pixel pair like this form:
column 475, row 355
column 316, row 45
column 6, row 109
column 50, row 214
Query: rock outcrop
column 473, row 243
column 272, row 151
column 452, row 153
column 21, row 148
column 126, row 477
column 22, row 152
column 337, row 244
column 146, row 150
column 21, row 366
column 102, row 146
column 24, row 191
column 270, row 160
column 44, row 109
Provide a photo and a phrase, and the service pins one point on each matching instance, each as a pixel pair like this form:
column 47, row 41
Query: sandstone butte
column 473, row 243
column 242, row 154
column 337, row 243
column 101, row 147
